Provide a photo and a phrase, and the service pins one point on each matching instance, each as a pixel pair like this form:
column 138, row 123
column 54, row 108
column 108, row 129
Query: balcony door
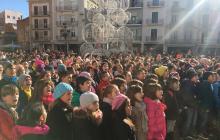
column 154, row 17
column 153, row 34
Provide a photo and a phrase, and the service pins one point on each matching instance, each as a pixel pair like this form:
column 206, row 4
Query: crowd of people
column 51, row 95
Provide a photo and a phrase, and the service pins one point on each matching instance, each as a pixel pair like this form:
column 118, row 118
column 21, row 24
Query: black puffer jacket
column 84, row 126
column 60, row 121
column 189, row 93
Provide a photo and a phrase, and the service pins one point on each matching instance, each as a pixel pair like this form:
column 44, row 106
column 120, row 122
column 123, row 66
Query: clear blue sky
column 16, row 5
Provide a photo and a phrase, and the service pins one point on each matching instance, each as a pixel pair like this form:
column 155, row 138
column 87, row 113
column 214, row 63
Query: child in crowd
column 155, row 112
column 42, row 93
column 25, row 92
column 128, row 76
column 139, row 116
column 104, row 82
column 65, row 77
column 60, row 114
column 123, row 127
column 83, row 84
column 106, row 127
column 140, row 74
column 173, row 107
column 87, row 118
column 8, row 101
column 163, row 74
column 121, row 83
column 34, row 117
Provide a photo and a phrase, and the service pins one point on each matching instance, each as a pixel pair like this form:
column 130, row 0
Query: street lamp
column 65, row 34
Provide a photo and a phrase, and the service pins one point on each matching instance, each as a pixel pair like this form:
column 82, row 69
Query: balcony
column 41, row 38
column 155, row 4
column 180, row 41
column 136, row 5
column 69, row 38
column 137, row 38
column 67, row 23
column 66, row 8
column 176, row 8
column 154, row 40
column 151, row 23
column 41, row 27
column 40, row 14
column 134, row 23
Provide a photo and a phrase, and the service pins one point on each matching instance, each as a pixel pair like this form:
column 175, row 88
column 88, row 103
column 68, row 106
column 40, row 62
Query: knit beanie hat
column 49, row 68
column 61, row 68
column 61, row 89
column 161, row 70
column 22, row 79
column 191, row 73
column 118, row 100
column 88, row 98
column 207, row 74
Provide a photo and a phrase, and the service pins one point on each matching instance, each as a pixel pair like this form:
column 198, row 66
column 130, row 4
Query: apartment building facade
column 23, row 32
column 175, row 25
column 9, row 17
column 40, row 19
column 56, row 23
column 157, row 25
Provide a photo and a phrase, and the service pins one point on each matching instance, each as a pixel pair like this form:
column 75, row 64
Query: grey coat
column 140, row 118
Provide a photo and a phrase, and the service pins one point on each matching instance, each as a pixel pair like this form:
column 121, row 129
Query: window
column 154, row 17
column 72, row 20
column 73, row 34
column 218, row 41
column 133, row 19
column 36, row 23
column 202, row 38
column 174, row 19
column 175, row 36
column 8, row 16
column 35, row 10
column 187, row 36
column 153, row 34
column 45, row 23
column 156, row 2
column 13, row 17
column 205, row 20
column 36, row 35
column 45, row 10
column 46, row 33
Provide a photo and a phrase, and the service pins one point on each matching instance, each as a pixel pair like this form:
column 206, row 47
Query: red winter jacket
column 156, row 119
column 7, row 125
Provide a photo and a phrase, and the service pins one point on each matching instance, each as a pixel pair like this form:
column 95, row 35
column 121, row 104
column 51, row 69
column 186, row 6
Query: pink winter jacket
column 156, row 119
